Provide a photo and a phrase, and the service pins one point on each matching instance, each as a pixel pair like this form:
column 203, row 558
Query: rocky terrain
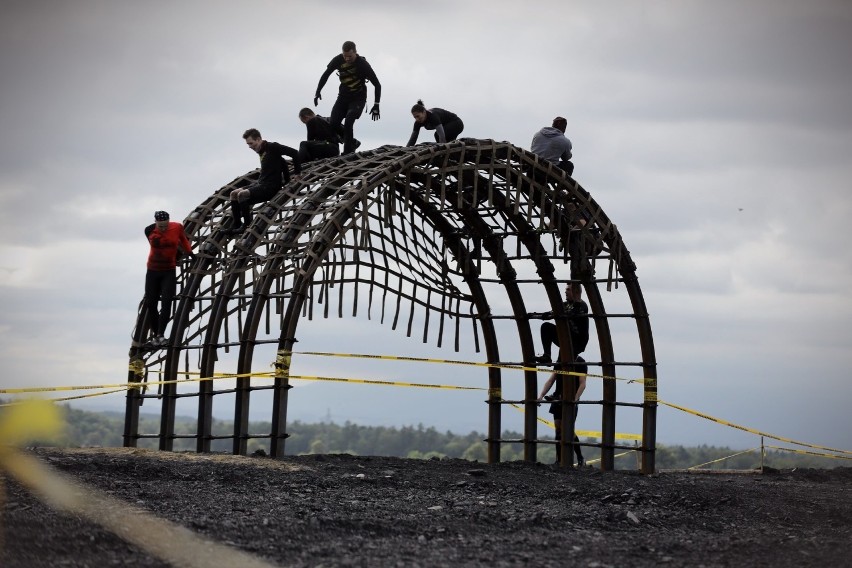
column 341, row 510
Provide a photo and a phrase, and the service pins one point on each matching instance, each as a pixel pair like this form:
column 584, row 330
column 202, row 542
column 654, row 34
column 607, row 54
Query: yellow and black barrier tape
column 650, row 389
column 622, row 454
column 585, row 433
column 808, row 453
column 384, row 383
column 724, row 458
column 282, row 368
column 751, row 430
column 67, row 398
column 221, row 376
column 463, row 363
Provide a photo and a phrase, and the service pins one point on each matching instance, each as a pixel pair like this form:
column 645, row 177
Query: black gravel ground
column 341, row 510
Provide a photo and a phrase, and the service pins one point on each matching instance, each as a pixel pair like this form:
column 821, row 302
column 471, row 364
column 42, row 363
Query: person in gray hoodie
column 551, row 144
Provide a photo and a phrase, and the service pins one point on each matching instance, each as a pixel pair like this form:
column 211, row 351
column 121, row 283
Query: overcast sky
column 718, row 137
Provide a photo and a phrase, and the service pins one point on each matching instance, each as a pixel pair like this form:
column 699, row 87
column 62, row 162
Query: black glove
column 317, row 98
column 374, row 112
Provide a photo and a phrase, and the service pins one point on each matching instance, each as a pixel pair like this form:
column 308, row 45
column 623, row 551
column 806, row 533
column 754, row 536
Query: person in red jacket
column 166, row 240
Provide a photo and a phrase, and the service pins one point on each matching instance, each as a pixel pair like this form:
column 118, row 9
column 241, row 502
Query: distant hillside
column 105, row 429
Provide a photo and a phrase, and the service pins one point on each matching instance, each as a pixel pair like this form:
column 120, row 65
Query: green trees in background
column 88, row 429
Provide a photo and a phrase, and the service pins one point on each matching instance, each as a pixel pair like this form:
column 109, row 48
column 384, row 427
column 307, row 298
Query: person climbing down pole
column 167, row 239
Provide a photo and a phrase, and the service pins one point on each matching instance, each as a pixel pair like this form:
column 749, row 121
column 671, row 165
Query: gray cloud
column 717, row 139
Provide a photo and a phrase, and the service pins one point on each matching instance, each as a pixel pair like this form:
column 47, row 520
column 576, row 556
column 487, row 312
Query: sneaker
column 356, row 144
column 236, row 230
column 543, row 358
column 158, row 341
column 581, row 463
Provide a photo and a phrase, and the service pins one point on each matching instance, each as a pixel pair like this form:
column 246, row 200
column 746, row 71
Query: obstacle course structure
column 458, row 237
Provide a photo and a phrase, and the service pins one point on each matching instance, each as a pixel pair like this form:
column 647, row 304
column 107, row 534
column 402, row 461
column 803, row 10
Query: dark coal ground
column 341, row 510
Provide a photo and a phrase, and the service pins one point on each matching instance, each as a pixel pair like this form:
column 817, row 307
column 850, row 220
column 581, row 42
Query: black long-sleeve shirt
column 353, row 77
column 273, row 166
column 319, row 129
column 436, row 118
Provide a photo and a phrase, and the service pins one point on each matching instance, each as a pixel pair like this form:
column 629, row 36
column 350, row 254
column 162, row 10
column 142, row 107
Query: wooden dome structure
column 459, row 234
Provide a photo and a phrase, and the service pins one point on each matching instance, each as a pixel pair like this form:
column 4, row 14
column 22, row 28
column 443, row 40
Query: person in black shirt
column 322, row 140
column 273, row 167
column 447, row 125
column 354, row 72
column 578, row 327
column 578, row 323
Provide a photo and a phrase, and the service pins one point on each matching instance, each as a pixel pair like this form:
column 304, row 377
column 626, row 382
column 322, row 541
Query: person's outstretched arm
column 370, row 75
column 323, row 79
column 414, row 133
column 184, row 242
column 547, row 384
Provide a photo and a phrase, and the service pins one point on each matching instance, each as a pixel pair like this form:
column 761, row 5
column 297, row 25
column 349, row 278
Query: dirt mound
column 340, row 510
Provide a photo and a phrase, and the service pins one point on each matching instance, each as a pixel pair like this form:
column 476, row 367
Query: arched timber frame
column 435, row 227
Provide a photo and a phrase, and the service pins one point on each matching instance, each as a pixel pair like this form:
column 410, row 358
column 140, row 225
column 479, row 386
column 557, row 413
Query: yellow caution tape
column 384, row 383
column 807, row 453
column 465, row 363
column 282, row 365
column 585, row 433
column 133, row 524
column 650, row 390
column 596, row 460
column 752, row 431
column 282, row 370
column 66, row 398
column 723, row 459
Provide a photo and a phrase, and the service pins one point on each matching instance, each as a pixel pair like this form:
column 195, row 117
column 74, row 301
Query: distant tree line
column 105, row 429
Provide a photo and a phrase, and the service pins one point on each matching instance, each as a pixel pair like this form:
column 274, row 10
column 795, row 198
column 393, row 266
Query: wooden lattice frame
column 394, row 220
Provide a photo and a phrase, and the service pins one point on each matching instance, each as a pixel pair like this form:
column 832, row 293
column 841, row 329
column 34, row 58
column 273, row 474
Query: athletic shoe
column 543, row 358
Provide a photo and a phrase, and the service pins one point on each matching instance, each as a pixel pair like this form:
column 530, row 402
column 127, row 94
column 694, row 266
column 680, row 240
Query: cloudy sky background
column 717, row 137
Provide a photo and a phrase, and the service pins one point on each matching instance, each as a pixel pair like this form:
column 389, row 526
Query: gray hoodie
column 550, row 144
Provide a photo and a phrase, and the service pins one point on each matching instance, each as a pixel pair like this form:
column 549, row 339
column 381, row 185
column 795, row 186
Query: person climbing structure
column 167, row 240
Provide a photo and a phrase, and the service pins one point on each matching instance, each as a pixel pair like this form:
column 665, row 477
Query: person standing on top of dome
column 354, row 72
